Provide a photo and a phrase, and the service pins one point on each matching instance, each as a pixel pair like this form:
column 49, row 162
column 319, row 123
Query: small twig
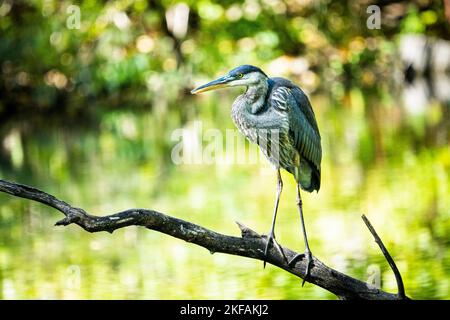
column 398, row 276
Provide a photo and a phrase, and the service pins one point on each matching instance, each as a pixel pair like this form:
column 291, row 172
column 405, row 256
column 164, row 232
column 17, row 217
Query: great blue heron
column 276, row 114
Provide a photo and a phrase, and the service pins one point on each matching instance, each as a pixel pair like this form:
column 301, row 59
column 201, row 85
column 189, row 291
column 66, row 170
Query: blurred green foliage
column 88, row 115
column 124, row 51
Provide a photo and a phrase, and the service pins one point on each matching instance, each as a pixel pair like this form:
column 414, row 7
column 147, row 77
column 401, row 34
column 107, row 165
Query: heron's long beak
column 222, row 82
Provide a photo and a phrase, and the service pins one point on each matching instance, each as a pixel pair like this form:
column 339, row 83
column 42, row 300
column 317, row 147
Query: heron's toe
column 271, row 239
column 309, row 263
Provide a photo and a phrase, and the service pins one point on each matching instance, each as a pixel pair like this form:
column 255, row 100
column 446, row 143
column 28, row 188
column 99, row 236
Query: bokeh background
column 88, row 114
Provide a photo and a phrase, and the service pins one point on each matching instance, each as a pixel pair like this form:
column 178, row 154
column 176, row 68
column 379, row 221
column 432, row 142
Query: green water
column 378, row 159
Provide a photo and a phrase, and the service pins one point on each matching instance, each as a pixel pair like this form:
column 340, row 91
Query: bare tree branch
column 398, row 276
column 250, row 244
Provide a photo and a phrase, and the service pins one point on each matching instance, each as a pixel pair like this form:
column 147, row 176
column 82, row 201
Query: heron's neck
column 255, row 96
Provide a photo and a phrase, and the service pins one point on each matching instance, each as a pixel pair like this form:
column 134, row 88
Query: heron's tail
column 315, row 179
column 307, row 175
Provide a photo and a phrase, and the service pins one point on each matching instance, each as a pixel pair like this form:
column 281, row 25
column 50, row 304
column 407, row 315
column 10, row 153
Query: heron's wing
column 304, row 105
column 303, row 128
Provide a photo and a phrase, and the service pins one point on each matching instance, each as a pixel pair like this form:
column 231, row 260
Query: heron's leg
column 307, row 253
column 271, row 236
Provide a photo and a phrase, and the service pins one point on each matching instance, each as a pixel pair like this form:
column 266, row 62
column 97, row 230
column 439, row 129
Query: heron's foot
column 271, row 238
column 309, row 262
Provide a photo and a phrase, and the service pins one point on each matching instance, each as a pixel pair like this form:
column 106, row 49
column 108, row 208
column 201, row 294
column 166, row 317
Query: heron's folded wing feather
column 303, row 128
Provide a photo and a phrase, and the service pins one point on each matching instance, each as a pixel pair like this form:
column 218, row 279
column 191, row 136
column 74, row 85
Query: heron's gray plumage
column 276, row 114
column 284, row 126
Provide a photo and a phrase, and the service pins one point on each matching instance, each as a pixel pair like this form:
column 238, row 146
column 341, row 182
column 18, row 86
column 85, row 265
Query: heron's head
column 245, row 75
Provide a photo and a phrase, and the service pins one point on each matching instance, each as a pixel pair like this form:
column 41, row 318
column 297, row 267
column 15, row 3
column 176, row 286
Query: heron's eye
column 240, row 75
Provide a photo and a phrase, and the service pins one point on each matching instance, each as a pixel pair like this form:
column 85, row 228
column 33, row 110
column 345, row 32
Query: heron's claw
column 271, row 238
column 307, row 254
